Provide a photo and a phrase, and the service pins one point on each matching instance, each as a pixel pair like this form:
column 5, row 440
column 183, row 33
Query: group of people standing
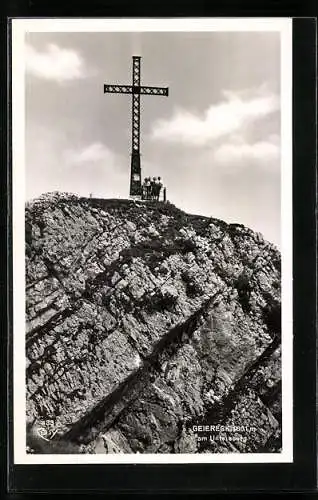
column 151, row 188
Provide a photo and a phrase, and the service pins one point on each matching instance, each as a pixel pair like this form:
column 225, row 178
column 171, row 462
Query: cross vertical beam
column 136, row 104
column 135, row 168
column 135, row 90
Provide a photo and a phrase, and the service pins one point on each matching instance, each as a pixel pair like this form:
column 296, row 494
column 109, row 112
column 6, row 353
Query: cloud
column 95, row 169
column 236, row 153
column 92, row 169
column 226, row 117
column 54, row 63
column 93, row 153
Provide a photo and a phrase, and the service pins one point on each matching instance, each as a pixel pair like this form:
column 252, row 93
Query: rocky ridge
column 144, row 322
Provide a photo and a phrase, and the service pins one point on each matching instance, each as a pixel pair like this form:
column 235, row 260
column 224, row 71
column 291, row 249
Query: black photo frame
column 299, row 476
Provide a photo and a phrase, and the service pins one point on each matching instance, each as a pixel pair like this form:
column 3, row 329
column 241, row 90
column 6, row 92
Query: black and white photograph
column 152, row 217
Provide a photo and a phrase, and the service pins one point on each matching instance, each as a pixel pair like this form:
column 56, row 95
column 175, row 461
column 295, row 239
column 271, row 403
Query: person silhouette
column 159, row 186
column 147, row 188
column 153, row 188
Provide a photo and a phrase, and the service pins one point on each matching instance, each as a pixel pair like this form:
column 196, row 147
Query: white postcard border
column 19, row 27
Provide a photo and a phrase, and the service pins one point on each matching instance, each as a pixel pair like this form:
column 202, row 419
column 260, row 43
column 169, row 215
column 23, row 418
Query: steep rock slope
column 144, row 322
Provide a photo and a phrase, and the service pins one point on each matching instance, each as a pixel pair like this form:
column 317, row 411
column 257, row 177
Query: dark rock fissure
column 170, row 342
column 220, row 411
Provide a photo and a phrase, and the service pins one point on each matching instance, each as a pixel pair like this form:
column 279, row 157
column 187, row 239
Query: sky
column 215, row 141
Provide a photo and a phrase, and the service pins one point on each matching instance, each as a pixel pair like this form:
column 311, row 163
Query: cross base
column 135, row 175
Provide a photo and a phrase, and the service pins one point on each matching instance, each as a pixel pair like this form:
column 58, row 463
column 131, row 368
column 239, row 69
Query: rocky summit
column 150, row 330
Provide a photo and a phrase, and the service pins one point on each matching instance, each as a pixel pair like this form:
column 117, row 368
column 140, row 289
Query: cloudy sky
column 215, row 140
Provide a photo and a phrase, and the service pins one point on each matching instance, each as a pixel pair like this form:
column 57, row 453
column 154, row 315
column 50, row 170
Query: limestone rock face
column 150, row 330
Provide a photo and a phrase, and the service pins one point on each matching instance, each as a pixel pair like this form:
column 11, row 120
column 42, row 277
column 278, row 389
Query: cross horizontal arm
column 154, row 91
column 135, row 89
column 118, row 89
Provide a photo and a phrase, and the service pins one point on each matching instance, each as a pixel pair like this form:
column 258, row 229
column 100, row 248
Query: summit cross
column 136, row 90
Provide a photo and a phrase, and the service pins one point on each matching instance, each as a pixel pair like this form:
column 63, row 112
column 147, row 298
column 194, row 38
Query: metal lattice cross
column 136, row 90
